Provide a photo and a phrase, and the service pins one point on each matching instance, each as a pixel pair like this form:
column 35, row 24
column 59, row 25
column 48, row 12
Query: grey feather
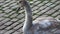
column 42, row 25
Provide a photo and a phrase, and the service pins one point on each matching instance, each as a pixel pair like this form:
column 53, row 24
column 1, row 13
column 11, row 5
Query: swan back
column 44, row 25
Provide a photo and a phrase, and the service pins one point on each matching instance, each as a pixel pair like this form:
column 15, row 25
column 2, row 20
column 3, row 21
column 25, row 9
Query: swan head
column 22, row 2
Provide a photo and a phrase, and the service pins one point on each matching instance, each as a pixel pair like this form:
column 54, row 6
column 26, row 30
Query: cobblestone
column 57, row 7
column 3, row 31
column 2, row 18
column 41, row 8
column 16, row 32
column 2, row 27
column 55, row 14
column 8, row 23
column 8, row 32
column 13, row 16
column 50, row 11
column 58, row 17
column 2, row 14
column 53, row 0
column 11, row 21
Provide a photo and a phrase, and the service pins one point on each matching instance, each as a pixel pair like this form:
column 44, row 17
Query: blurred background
column 11, row 20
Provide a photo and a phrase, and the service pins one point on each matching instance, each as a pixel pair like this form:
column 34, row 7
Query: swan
column 42, row 25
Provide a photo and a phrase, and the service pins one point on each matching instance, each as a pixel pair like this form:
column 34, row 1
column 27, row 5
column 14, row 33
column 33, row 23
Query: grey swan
column 42, row 25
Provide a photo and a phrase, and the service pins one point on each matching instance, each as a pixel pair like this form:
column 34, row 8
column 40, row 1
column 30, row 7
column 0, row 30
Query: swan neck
column 28, row 16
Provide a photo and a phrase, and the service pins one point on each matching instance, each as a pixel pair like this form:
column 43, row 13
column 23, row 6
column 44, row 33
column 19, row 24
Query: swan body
column 42, row 25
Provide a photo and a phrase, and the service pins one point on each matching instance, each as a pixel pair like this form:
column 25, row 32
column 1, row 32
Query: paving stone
column 1, row 0
column 50, row 11
column 17, row 26
column 40, row 4
column 12, row 12
column 3, row 31
column 41, row 8
column 7, row 19
column 35, row 8
column 21, row 11
column 8, row 28
column 45, row 10
column 2, row 27
column 8, row 32
column 35, row 11
column 8, row 23
column 44, row 16
column 14, row 15
column 1, row 18
column 1, row 4
column 14, row 7
column 55, row 14
column 7, row 15
column 53, row 0
column 35, row 16
column 14, row 19
column 52, row 5
column 13, row 4
column 36, row 2
column 16, row 32
column 20, row 30
column 12, row 26
column 57, row 7
column 9, row 3
column 4, row 21
column 5, row 8
column 58, row 17
column 2, row 14
column 58, row 2
column 0, row 11
column 48, row 4
column 22, row 20
column 20, row 16
column 59, row 11
column 45, row 1
column 1, row 22
column 7, row 11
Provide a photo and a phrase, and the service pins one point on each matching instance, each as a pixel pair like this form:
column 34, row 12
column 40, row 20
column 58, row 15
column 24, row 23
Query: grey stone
column 2, row 27
column 16, row 32
column 8, row 32
column 55, row 14
column 8, row 23
column 50, row 11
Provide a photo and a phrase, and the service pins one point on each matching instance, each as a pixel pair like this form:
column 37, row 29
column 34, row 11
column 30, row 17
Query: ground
column 11, row 20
